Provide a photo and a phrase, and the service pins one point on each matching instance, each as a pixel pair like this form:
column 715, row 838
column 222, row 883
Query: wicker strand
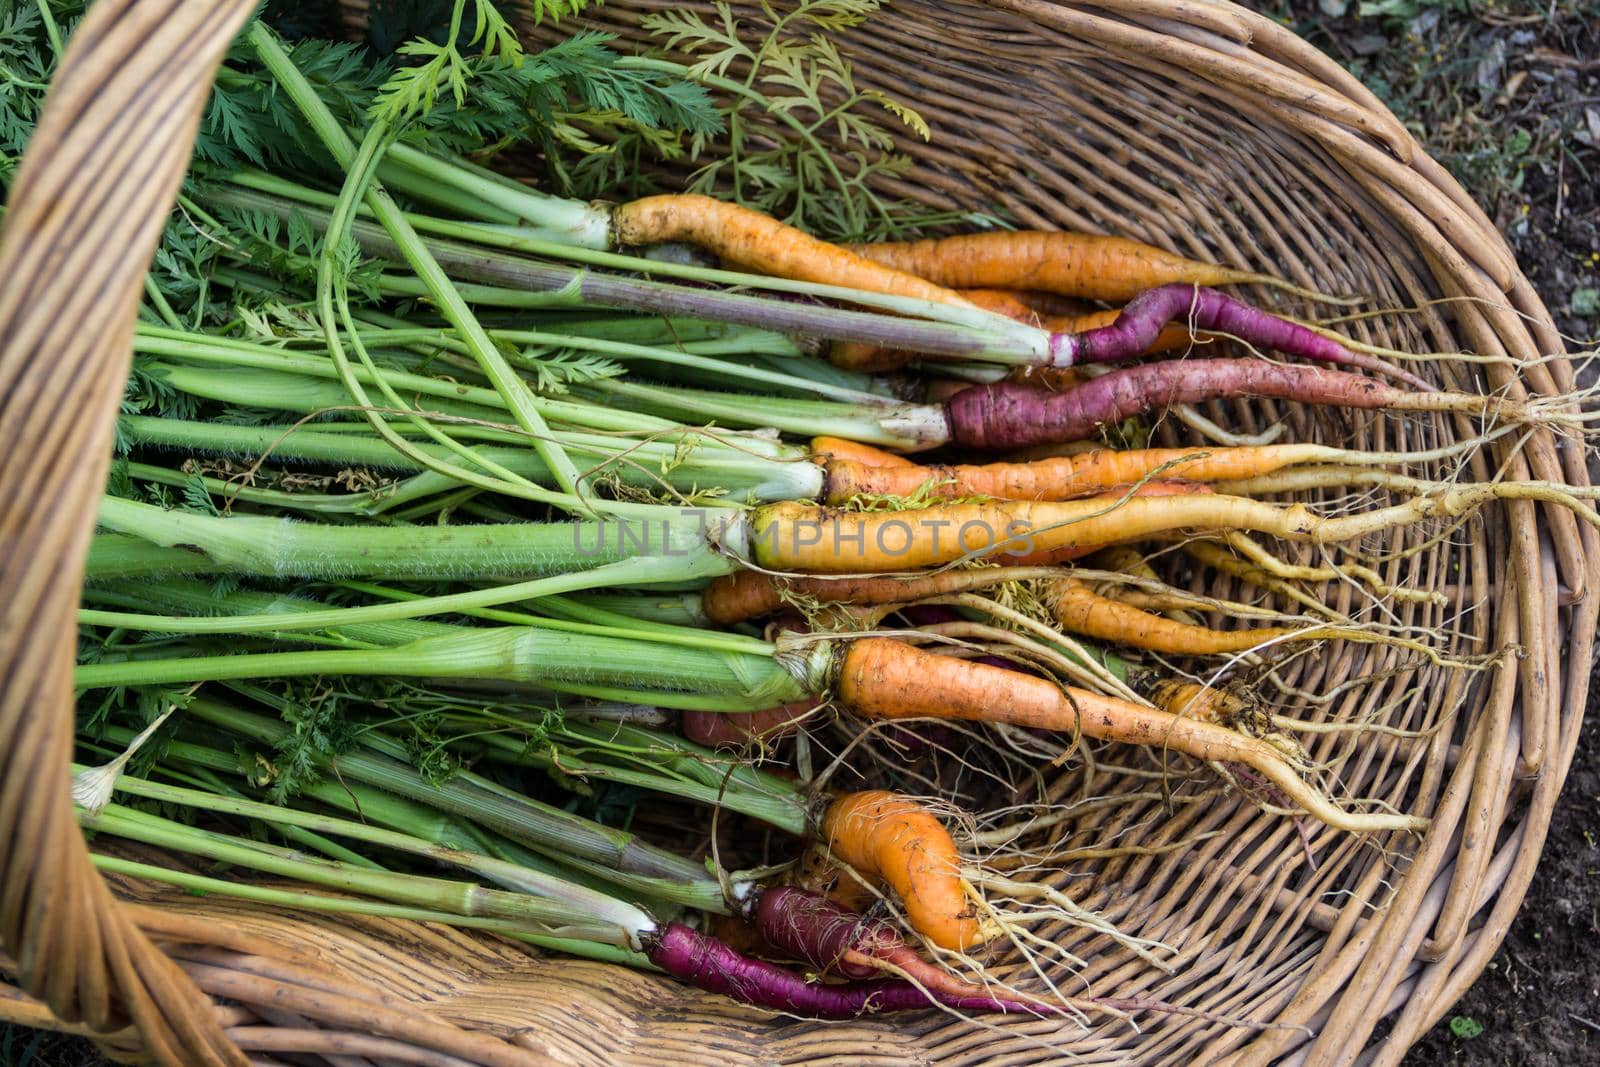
column 81, row 225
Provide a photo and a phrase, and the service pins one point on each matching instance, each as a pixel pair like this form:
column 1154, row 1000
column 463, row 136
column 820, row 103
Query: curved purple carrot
column 813, row 928
column 711, row 965
column 1210, row 311
column 836, row 940
column 1013, row 415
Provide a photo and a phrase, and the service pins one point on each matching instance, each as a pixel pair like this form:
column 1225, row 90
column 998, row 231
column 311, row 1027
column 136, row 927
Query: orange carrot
column 1033, row 306
column 804, row 537
column 895, row 841
column 752, row 594
column 817, row 873
column 880, row 678
column 1065, row 477
column 738, row 934
column 1080, row 610
column 756, row 242
column 838, row 449
column 1088, row 266
column 867, row 359
column 1204, row 702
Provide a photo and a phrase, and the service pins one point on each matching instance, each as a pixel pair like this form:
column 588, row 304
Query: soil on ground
column 1505, row 93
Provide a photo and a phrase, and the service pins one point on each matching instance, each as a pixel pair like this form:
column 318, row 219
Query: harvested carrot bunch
column 763, row 583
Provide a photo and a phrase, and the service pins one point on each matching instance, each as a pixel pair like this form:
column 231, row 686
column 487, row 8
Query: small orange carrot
column 1033, row 306
column 752, row 594
column 756, row 242
column 867, row 359
column 880, row 678
column 895, row 841
column 837, row 449
column 1080, row 610
column 1064, row 477
column 817, row 873
column 738, row 934
column 1127, row 560
column 1088, row 266
column 1204, row 702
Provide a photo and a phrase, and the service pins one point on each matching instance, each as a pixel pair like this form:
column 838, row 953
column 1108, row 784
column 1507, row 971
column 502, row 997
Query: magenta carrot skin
column 813, row 928
column 1211, row 311
column 1010, row 415
column 711, row 965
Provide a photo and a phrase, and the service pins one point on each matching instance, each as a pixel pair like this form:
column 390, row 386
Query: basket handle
column 85, row 212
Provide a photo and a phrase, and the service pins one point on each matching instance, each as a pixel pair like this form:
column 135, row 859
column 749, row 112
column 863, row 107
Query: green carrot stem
column 787, row 475
column 668, row 675
column 614, row 625
column 192, row 601
column 939, row 329
column 686, row 356
column 202, row 885
column 582, row 902
column 457, row 239
column 406, row 607
column 663, row 765
column 871, row 424
column 235, row 354
column 114, row 556
column 680, row 610
column 368, row 503
column 571, row 838
column 581, row 610
column 405, row 241
column 198, row 599
column 418, row 820
column 568, row 223
column 334, row 311
column 420, row 891
column 674, row 547
column 213, row 786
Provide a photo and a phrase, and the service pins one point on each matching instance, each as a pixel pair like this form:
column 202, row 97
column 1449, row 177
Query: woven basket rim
column 1409, row 962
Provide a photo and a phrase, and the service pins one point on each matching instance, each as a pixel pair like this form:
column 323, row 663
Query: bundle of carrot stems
column 657, row 583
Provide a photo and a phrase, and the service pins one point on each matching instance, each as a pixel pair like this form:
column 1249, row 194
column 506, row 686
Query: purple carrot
column 1211, row 311
column 813, row 928
column 928, row 614
column 835, row 939
column 711, row 965
column 1010, row 415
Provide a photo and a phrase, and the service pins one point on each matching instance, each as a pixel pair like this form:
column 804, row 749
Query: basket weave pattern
column 1197, row 126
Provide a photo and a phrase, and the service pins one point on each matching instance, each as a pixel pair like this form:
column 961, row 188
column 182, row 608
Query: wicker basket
column 1188, row 123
